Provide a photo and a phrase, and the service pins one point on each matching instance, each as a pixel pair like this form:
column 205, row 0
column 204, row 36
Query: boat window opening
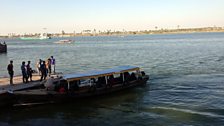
column 86, row 82
column 93, row 81
column 101, row 82
column 116, row 75
column 126, row 76
column 133, row 76
column 61, row 84
column 111, row 79
column 74, row 86
column 118, row 78
column 137, row 74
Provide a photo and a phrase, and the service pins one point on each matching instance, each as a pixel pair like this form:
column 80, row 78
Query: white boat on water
column 66, row 41
column 41, row 37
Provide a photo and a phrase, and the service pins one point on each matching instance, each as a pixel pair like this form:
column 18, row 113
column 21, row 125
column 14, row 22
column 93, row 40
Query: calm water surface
column 186, row 85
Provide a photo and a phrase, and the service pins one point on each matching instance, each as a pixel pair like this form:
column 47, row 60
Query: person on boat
column 43, row 70
column 101, row 82
column 143, row 73
column 126, row 76
column 48, row 65
column 24, row 72
column 49, row 84
column 62, row 90
column 11, row 72
column 111, row 80
column 133, row 77
column 53, row 63
column 29, row 71
column 38, row 64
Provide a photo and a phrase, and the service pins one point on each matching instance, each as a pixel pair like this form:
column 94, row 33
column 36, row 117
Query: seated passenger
column 101, row 81
column 143, row 73
column 62, row 90
column 111, row 79
column 74, row 86
column 133, row 77
column 126, row 76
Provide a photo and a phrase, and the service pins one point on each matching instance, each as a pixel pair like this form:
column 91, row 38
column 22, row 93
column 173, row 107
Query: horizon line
column 156, row 28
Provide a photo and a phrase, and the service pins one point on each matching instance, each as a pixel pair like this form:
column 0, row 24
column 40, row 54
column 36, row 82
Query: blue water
column 186, row 85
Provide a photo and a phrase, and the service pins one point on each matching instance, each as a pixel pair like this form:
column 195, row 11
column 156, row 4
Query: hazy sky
column 30, row 16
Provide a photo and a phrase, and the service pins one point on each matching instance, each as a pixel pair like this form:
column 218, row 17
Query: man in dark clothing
column 49, row 66
column 11, row 72
column 24, row 72
column 29, row 71
column 43, row 70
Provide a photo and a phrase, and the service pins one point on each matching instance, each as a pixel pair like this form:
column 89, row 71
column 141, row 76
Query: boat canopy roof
column 99, row 73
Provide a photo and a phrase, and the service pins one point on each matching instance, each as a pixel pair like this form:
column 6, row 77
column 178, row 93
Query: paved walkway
column 18, row 83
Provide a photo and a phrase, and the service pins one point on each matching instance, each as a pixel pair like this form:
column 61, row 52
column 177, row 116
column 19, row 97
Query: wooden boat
column 72, row 86
column 6, row 99
column 3, row 48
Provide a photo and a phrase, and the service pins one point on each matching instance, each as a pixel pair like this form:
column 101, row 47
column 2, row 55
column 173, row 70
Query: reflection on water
column 185, row 86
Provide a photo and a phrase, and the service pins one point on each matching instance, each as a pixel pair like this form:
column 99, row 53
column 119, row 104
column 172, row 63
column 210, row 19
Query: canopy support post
column 68, row 85
column 106, row 79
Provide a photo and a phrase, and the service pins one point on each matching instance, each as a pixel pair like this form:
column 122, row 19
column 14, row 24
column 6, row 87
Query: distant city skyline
column 32, row 16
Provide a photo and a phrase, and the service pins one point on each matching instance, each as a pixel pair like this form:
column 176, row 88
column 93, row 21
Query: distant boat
column 3, row 48
column 41, row 37
column 64, row 41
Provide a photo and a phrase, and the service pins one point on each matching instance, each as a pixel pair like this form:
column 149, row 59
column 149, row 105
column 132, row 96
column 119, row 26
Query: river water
column 186, row 85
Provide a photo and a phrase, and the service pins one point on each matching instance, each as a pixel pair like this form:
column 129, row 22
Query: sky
column 32, row 16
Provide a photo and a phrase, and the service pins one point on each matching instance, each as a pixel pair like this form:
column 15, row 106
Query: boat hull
column 3, row 48
column 6, row 99
column 43, row 96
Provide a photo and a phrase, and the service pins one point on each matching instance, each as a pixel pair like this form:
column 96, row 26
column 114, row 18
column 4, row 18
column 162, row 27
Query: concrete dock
column 18, row 83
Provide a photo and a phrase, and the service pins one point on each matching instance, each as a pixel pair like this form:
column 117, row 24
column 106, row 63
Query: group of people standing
column 43, row 68
column 26, row 71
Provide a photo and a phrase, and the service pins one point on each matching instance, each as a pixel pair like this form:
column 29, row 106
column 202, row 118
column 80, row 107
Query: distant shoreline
column 124, row 33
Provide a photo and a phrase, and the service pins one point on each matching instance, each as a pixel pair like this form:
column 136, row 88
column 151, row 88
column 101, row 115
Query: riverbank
column 123, row 33
column 18, row 83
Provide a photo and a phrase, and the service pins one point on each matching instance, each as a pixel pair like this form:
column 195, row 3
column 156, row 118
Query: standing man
column 38, row 64
column 24, row 72
column 10, row 71
column 43, row 70
column 53, row 64
column 49, row 66
column 29, row 71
